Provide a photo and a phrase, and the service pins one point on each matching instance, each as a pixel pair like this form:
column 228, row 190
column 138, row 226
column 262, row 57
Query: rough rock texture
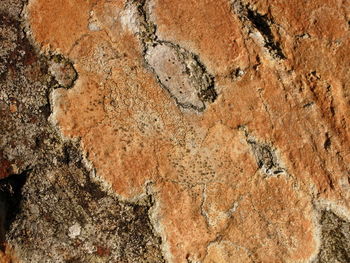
column 52, row 207
column 222, row 124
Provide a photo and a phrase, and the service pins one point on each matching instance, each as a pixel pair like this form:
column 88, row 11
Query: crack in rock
column 254, row 21
column 265, row 156
column 10, row 200
column 178, row 70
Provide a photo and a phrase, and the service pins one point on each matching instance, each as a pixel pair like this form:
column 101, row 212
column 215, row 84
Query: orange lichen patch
column 8, row 255
column 205, row 27
column 108, row 15
column 131, row 140
column 274, row 221
column 127, row 162
column 57, row 24
column 185, row 228
column 226, row 251
column 213, row 200
column 328, row 23
column 78, row 118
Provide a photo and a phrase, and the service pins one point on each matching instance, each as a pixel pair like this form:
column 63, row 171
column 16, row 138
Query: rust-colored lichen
column 282, row 77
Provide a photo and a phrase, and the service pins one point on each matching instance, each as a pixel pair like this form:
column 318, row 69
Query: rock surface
column 220, row 128
column 52, row 206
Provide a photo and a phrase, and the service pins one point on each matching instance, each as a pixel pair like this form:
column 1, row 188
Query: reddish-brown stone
column 5, row 167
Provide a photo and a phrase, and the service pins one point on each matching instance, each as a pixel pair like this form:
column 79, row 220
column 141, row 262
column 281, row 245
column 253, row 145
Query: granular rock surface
column 52, row 206
column 177, row 131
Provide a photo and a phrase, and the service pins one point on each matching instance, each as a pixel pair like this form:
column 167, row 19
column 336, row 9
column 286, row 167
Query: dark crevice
column 265, row 155
column 327, row 143
column 10, row 200
column 266, row 158
column 309, row 104
column 262, row 23
column 236, row 73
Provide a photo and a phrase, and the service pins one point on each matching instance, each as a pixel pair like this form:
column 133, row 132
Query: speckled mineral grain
column 232, row 114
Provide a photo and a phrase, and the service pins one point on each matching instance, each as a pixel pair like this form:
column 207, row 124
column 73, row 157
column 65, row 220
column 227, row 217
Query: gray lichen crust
column 182, row 75
column 66, row 217
column 178, row 70
column 335, row 238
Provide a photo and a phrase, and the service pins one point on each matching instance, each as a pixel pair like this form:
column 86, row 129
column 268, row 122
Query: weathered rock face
column 231, row 114
column 52, row 207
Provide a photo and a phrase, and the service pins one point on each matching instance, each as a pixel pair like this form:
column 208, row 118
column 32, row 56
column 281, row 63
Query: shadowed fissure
column 254, row 21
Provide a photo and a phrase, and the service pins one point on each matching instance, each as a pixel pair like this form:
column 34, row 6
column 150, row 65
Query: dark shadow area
column 262, row 23
column 10, row 201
